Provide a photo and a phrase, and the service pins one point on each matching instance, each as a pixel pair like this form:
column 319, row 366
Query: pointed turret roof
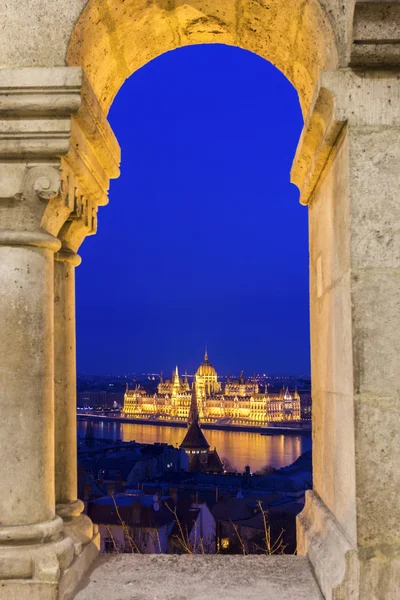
column 287, row 395
column 193, row 410
column 175, row 376
column 194, row 438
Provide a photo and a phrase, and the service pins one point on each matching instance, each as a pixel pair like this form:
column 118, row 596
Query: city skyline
column 204, row 240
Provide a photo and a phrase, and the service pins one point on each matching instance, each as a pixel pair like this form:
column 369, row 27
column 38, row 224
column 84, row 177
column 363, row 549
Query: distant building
column 193, row 530
column 163, row 508
column 132, row 522
column 92, row 399
column 262, row 524
column 136, row 522
column 239, row 402
column 114, row 467
column 100, row 399
column 306, row 405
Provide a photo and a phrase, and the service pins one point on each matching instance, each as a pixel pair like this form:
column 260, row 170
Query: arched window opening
column 204, row 244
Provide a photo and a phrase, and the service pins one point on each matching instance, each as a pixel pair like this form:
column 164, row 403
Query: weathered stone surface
column 376, row 324
column 376, row 34
column 377, row 438
column 26, row 323
column 331, row 342
column 375, row 207
column 128, row 35
column 330, row 551
column 198, row 577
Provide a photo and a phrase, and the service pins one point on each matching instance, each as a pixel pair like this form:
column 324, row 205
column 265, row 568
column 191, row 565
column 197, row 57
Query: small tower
column 175, row 377
column 193, row 410
column 206, row 380
column 194, row 443
column 255, row 384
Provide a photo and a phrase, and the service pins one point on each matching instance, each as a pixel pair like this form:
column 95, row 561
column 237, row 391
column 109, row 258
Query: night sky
column 204, row 240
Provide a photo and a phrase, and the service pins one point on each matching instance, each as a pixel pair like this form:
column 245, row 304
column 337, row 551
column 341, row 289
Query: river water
column 241, row 448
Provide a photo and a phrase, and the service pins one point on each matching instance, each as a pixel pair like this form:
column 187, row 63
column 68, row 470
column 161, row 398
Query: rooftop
column 195, row 438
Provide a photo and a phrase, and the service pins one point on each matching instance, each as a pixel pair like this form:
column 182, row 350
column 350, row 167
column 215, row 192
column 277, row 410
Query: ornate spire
column 193, row 411
column 241, row 378
column 195, row 438
column 161, row 378
column 206, row 355
column 175, row 376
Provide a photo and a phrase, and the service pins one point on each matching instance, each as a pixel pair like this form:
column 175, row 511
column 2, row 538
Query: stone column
column 77, row 525
column 347, row 168
column 35, row 116
column 31, row 543
column 54, row 141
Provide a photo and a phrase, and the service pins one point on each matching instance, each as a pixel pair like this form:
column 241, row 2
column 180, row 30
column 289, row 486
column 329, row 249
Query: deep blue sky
column 204, row 240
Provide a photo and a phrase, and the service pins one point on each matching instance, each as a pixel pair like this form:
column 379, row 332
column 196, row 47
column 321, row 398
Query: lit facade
column 237, row 402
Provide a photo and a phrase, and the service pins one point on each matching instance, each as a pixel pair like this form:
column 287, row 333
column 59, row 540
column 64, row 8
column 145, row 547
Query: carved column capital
column 57, row 154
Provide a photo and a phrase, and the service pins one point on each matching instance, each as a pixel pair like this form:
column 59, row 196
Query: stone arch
column 111, row 39
column 57, row 155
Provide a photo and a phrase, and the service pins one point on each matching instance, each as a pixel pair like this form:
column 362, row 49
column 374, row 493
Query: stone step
column 184, row 577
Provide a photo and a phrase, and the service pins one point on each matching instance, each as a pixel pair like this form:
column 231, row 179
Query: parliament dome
column 206, row 369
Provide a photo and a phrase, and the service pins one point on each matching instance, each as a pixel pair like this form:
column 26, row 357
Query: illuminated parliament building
column 237, row 402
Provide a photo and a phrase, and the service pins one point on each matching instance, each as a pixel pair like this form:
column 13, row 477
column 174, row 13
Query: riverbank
column 304, row 429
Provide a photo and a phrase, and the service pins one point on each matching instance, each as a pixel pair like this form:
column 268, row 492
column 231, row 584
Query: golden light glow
column 238, row 403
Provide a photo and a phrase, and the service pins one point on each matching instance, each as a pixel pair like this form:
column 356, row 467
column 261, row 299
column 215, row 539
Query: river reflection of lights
column 240, row 448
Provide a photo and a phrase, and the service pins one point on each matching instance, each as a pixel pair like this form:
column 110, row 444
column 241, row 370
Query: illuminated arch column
column 92, row 159
column 76, row 525
column 347, row 170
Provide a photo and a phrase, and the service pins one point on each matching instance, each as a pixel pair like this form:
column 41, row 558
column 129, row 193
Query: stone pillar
column 76, row 525
column 347, row 168
column 54, row 147
column 32, row 546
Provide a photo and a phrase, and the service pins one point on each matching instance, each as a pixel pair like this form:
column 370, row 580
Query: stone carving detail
column 81, row 207
column 45, row 181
